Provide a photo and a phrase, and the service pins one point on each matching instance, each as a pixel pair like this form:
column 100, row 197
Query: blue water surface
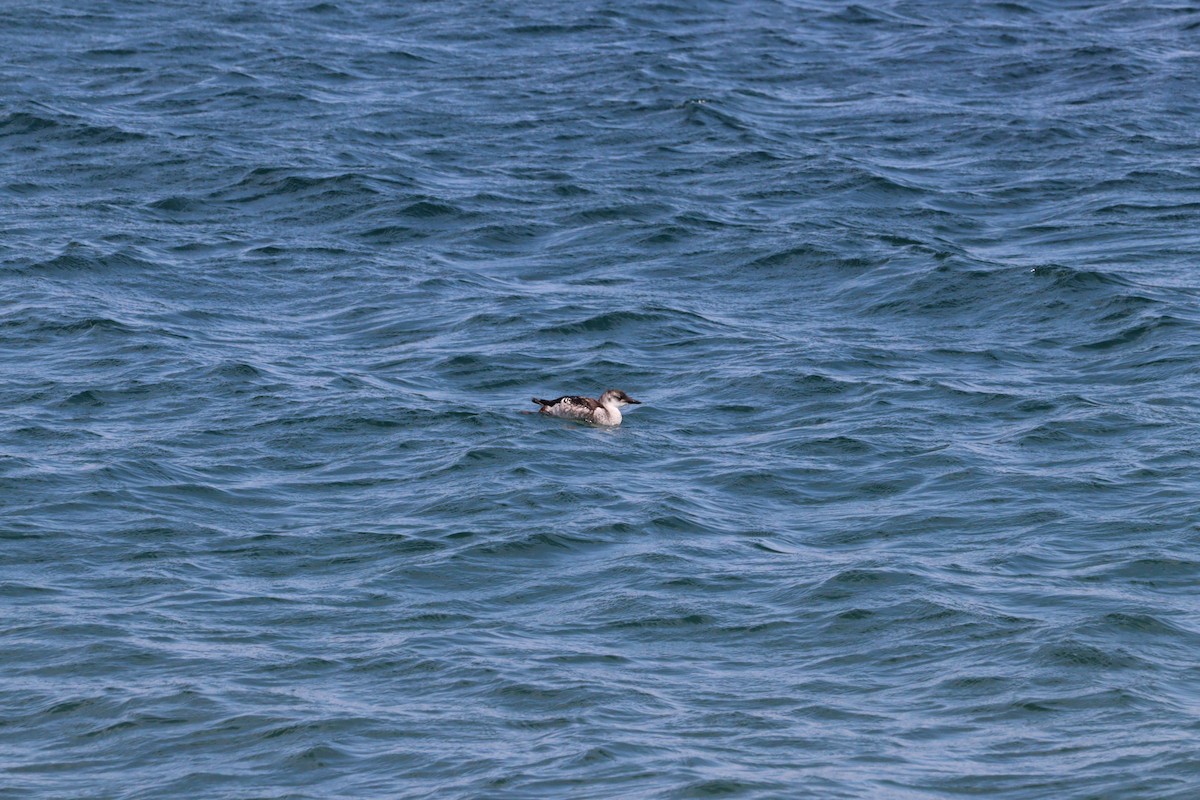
column 909, row 292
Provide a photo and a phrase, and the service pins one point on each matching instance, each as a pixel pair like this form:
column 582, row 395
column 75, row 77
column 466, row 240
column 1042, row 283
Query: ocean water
column 909, row 291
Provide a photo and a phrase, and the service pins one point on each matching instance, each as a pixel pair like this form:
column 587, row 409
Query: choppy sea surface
column 910, row 294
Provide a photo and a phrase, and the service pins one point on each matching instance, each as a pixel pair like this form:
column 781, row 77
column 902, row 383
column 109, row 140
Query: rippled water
column 908, row 290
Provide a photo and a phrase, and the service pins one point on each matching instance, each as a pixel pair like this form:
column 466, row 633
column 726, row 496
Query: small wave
column 1076, row 279
column 77, row 258
column 281, row 182
column 39, row 130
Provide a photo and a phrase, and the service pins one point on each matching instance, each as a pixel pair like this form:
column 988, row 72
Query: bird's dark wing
column 571, row 407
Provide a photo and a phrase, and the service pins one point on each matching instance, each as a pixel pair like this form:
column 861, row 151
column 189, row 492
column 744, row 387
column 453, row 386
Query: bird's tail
column 541, row 402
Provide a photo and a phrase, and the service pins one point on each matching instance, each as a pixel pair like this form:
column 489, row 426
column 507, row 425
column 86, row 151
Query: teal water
column 909, row 294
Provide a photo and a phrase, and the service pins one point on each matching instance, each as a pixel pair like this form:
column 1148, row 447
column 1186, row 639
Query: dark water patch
column 177, row 203
column 1072, row 279
column 81, row 259
column 1084, row 656
column 33, row 131
column 264, row 183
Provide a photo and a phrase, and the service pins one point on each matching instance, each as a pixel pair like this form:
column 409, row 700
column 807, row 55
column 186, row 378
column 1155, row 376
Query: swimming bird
column 605, row 411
